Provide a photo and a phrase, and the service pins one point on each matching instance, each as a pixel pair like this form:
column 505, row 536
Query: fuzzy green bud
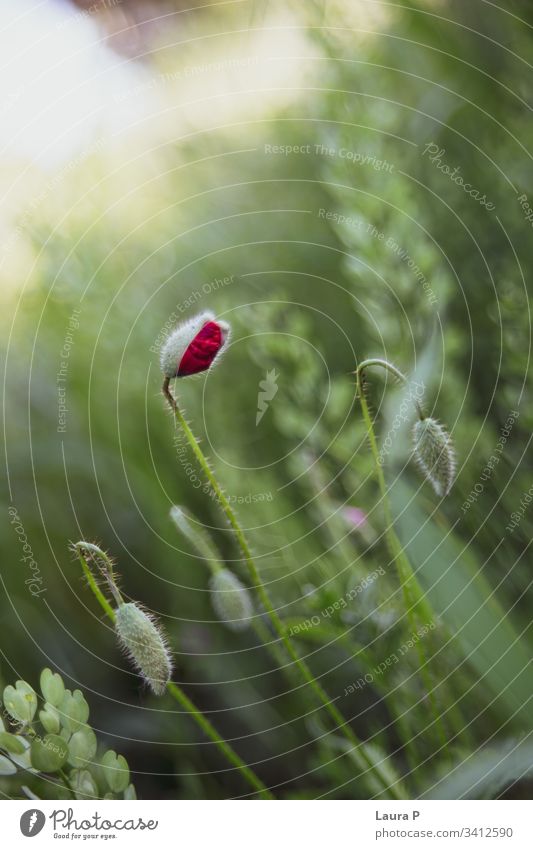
column 231, row 600
column 433, row 451
column 143, row 642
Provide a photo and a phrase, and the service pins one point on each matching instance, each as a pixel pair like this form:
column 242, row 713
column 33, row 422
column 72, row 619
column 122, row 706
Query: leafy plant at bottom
column 56, row 745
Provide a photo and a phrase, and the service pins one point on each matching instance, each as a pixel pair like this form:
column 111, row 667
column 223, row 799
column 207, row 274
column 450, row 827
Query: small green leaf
column 20, row 701
column 49, row 754
column 129, row 792
column 116, row 771
column 49, row 717
column 74, row 710
column 11, row 743
column 83, row 784
column 6, row 767
column 82, row 747
column 52, row 687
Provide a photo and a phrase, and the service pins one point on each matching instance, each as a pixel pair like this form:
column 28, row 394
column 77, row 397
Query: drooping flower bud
column 231, row 600
column 141, row 638
column 434, row 454
column 194, row 346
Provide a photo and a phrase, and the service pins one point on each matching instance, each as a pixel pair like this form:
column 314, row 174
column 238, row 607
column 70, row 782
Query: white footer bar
column 269, row 825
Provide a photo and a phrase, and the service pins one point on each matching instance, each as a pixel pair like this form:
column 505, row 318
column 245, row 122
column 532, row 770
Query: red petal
column 202, row 350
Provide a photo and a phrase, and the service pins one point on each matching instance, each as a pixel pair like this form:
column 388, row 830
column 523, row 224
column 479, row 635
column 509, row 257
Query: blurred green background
column 271, row 162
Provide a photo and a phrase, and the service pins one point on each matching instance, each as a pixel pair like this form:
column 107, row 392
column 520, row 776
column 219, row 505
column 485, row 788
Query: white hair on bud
column 179, row 340
column 142, row 639
column 434, row 453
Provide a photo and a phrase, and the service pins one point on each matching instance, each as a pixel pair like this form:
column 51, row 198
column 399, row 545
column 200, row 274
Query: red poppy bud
column 194, row 346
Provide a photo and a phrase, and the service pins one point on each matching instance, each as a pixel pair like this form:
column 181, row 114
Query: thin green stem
column 364, row 760
column 176, row 692
column 413, row 593
column 205, row 547
column 211, row 732
column 103, row 562
column 418, row 610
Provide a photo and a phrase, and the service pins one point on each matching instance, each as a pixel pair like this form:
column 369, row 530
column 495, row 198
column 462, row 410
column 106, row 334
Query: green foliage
column 57, row 756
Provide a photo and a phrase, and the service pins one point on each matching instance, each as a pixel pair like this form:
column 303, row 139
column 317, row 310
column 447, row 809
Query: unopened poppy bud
column 144, row 644
column 231, row 600
column 434, row 454
column 194, row 346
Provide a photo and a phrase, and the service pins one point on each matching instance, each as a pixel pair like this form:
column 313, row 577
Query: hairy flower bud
column 194, row 346
column 231, row 600
column 434, row 454
column 141, row 638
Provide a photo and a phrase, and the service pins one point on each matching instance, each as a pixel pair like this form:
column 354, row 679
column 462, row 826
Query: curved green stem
column 413, row 593
column 175, row 691
column 417, row 607
column 104, row 564
column 364, row 760
column 376, row 361
column 79, row 548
